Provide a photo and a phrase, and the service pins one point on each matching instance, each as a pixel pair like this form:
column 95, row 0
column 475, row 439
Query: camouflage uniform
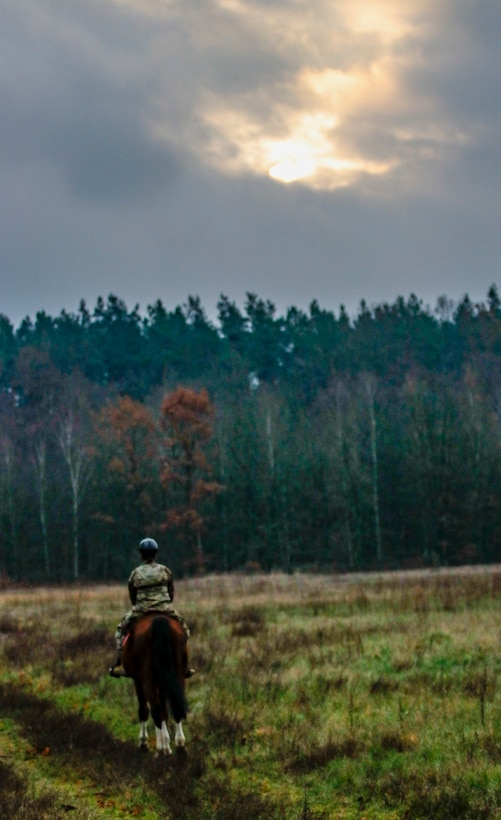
column 151, row 589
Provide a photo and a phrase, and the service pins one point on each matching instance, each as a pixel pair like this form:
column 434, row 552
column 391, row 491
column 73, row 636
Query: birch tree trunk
column 75, row 456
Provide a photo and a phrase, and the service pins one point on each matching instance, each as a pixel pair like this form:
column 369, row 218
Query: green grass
column 315, row 697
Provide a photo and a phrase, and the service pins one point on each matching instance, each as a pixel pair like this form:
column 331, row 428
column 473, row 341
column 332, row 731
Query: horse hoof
column 162, row 753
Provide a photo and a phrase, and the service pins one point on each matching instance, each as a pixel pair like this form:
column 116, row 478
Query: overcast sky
column 335, row 150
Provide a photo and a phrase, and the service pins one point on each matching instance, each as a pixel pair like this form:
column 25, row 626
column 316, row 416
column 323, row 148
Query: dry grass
column 371, row 696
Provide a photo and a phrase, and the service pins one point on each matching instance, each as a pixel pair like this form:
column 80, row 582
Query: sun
column 303, row 151
column 291, row 169
column 309, row 154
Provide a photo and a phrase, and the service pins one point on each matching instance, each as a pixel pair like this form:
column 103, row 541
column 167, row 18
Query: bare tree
column 41, row 469
column 342, row 448
column 7, row 470
column 75, row 454
column 273, row 415
column 369, row 386
column 339, row 417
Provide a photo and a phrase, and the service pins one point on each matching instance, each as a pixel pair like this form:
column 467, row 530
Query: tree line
column 309, row 440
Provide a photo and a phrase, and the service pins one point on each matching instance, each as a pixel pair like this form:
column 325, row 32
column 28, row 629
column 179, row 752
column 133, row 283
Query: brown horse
column 155, row 656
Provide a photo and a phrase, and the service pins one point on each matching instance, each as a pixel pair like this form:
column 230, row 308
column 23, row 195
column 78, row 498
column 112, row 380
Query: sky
column 300, row 150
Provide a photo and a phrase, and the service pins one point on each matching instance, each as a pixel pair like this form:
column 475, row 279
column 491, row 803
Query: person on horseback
column 151, row 589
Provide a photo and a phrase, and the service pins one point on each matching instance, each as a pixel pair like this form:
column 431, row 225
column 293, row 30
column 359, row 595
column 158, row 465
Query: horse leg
column 162, row 733
column 163, row 739
column 143, row 714
column 179, row 737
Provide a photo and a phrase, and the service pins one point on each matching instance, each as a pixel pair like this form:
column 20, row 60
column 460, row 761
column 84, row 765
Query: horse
column 155, row 657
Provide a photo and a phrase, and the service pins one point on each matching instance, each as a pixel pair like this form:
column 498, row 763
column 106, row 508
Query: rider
column 151, row 589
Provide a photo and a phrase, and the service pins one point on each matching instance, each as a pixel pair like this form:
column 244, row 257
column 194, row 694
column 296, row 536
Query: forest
column 310, row 441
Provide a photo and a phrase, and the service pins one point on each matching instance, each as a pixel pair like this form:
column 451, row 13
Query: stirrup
column 117, row 671
column 189, row 672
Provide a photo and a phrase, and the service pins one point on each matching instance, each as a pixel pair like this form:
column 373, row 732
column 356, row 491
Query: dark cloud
column 74, row 108
column 458, row 68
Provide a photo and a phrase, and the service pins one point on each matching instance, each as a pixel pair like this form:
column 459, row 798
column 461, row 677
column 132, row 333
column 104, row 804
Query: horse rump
column 167, row 667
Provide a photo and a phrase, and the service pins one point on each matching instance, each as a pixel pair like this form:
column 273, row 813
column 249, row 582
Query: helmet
column 148, row 546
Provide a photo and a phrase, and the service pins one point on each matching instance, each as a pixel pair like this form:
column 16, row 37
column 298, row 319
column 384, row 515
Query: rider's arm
column 132, row 592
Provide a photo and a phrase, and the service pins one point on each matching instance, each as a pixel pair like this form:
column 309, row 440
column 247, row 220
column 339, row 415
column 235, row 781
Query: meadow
column 356, row 696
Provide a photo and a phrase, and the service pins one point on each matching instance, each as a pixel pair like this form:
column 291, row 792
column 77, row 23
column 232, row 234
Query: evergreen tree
column 328, row 441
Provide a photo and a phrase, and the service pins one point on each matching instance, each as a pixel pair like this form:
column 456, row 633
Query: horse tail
column 164, row 668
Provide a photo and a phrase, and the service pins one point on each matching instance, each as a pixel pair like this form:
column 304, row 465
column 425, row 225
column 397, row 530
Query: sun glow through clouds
column 328, row 117
column 306, row 147
column 299, row 156
column 310, row 152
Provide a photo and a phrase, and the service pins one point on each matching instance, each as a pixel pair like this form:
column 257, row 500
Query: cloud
column 69, row 102
column 125, row 92
column 330, row 149
column 280, row 99
column 325, row 95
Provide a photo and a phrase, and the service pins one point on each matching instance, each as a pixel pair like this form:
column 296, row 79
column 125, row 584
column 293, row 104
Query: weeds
column 249, row 621
column 19, row 802
column 308, row 755
column 316, row 697
column 82, row 658
column 441, row 795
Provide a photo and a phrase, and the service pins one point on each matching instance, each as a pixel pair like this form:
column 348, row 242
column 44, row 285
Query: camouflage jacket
column 151, row 586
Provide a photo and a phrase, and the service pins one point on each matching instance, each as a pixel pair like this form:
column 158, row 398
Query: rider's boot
column 117, row 670
column 189, row 672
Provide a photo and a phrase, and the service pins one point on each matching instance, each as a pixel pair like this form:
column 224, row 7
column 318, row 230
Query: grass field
column 369, row 697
